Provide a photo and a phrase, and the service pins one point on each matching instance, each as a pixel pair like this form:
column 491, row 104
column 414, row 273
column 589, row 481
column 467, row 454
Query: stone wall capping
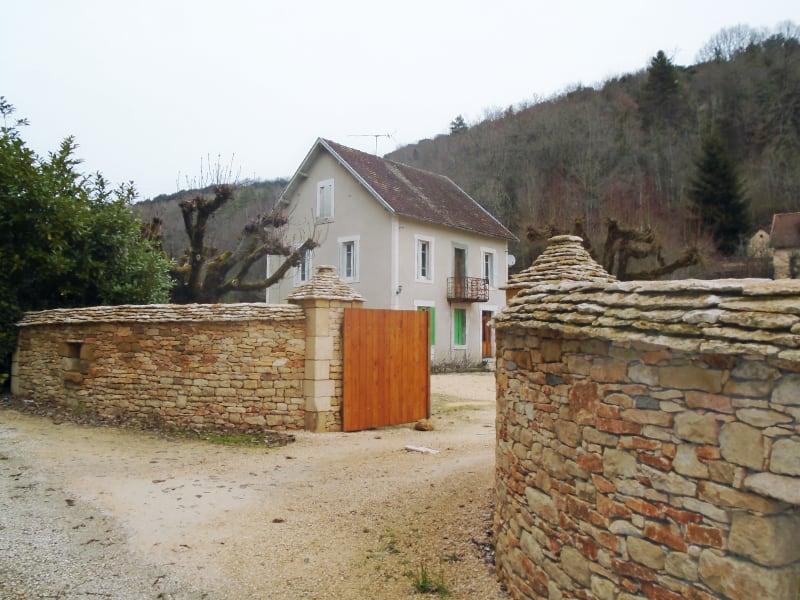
column 164, row 313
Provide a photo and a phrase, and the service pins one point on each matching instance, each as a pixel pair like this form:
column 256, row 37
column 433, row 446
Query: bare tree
column 205, row 274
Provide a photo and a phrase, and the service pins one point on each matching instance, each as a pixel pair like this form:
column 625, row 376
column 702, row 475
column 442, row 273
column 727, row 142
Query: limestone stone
column 644, row 552
column 770, row 540
column 619, row 463
column 681, row 565
column 643, row 374
column 762, row 418
column 593, row 436
column 739, row 579
column 568, row 432
column 541, row 505
column 780, row 487
column 623, row 527
column 761, row 501
column 787, row 391
column 576, row 565
column 691, row 378
column 604, row 589
column 648, row 417
column 785, row 457
column 742, row 445
column 687, row 463
column 696, row 427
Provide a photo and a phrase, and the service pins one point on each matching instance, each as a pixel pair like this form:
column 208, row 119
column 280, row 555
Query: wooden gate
column 386, row 368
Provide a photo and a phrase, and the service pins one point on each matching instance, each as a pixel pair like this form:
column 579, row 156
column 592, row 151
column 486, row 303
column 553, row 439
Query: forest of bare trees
column 630, row 150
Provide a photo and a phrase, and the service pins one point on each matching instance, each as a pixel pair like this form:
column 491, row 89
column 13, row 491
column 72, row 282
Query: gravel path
column 88, row 512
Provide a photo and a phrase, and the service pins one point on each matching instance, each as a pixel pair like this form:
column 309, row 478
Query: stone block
column 691, row 378
column 550, row 350
column 319, row 348
column 780, row 487
column 748, row 389
column 576, row 565
column 318, row 321
column 714, row 402
column 601, row 438
column 541, row 505
column 680, row 564
column 687, row 463
column 742, row 445
column 318, row 404
column 583, row 400
column 619, row 463
column 644, row 552
column 762, row 418
column 317, row 369
column 769, row 540
column 785, row 457
column 698, row 428
column 648, row 417
column 568, row 433
column 724, row 496
column 787, row 391
column 315, row 389
column 739, row 579
column 645, row 374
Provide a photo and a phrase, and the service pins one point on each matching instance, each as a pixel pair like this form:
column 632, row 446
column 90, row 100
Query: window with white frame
column 348, row 259
column 325, row 200
column 424, row 261
column 302, row 272
column 488, row 266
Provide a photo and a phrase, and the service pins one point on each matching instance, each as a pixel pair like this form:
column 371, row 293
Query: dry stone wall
column 648, row 443
column 206, row 367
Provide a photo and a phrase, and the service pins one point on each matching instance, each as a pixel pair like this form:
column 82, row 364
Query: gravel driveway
column 95, row 512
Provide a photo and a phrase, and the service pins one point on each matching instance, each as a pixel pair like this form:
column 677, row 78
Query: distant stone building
column 758, row 246
column 785, row 243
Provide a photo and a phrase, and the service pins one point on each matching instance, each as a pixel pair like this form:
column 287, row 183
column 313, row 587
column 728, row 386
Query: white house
column 405, row 239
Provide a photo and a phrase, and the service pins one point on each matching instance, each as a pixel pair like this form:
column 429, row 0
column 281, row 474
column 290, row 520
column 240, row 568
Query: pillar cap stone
column 325, row 285
column 564, row 259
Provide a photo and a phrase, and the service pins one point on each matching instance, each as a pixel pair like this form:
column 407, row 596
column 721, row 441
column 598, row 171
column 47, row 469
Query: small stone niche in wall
column 74, row 362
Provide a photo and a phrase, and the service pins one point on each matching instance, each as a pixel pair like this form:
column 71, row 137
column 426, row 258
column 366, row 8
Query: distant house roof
column 785, row 230
column 408, row 191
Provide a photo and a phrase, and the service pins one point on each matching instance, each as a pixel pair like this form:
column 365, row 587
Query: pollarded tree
column 206, row 274
column 717, row 196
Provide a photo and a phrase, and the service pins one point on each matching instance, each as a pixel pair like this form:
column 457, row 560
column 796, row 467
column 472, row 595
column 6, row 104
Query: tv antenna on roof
column 373, row 135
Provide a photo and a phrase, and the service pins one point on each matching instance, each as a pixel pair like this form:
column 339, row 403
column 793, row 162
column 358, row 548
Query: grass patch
column 269, row 439
column 425, row 582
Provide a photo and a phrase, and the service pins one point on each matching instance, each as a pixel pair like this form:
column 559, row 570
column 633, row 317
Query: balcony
column 467, row 289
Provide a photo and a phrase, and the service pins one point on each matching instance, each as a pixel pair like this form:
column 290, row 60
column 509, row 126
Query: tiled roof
column 414, row 193
column 785, row 230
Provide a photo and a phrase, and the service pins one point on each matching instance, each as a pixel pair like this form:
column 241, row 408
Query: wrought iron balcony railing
column 467, row 289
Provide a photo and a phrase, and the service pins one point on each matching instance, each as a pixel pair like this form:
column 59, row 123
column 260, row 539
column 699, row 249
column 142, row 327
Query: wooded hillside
column 702, row 155
column 630, row 149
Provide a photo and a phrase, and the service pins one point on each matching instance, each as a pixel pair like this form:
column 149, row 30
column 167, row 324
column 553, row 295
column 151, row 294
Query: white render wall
column 387, row 256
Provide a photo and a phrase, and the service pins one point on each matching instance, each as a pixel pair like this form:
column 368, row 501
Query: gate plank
column 386, row 368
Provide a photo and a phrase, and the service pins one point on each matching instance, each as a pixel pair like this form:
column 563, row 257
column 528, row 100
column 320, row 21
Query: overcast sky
column 150, row 88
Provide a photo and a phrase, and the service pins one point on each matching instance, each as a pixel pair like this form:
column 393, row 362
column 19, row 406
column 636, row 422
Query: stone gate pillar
column 323, row 300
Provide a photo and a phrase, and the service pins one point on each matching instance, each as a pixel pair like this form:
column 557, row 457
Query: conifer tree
column 717, row 196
